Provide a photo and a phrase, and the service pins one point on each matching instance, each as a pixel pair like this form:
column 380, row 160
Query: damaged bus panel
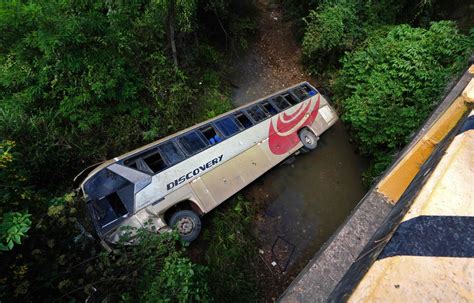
column 175, row 180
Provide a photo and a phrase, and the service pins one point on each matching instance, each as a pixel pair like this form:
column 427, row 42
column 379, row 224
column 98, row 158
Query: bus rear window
column 211, row 135
column 269, row 108
column 228, row 126
column 192, row 143
column 292, row 100
column 171, row 152
column 257, row 113
column 243, row 120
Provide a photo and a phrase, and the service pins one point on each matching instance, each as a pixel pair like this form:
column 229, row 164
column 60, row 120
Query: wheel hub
column 185, row 225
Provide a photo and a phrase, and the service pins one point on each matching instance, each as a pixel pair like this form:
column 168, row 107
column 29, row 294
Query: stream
column 304, row 200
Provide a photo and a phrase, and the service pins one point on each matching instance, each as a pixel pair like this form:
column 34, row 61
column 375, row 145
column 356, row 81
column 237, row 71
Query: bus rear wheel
column 309, row 139
column 187, row 223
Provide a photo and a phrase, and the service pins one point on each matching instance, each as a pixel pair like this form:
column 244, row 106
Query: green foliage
column 294, row 9
column 390, row 85
column 153, row 270
column 179, row 281
column 232, row 19
column 14, row 195
column 336, row 26
column 82, row 82
column 330, row 29
column 231, row 254
column 13, row 228
column 163, row 273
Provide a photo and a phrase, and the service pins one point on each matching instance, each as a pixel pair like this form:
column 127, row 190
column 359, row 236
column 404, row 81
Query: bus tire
column 187, row 223
column 308, row 138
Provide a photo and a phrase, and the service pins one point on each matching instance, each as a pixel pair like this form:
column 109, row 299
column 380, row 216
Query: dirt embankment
column 272, row 61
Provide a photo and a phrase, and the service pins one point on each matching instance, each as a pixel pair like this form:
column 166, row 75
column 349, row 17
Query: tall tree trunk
column 171, row 23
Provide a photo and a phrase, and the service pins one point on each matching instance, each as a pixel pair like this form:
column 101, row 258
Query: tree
column 84, row 81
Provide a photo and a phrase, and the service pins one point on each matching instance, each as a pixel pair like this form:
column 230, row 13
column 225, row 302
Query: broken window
column 256, row 113
column 281, row 103
column 211, row 135
column 290, row 98
column 243, row 120
column 308, row 89
column 171, row 152
column 192, row 143
column 269, row 108
column 304, row 91
column 228, row 126
column 108, row 209
column 149, row 162
column 155, row 162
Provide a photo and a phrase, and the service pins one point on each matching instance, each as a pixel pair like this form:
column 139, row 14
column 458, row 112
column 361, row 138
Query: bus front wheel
column 187, row 223
column 308, row 138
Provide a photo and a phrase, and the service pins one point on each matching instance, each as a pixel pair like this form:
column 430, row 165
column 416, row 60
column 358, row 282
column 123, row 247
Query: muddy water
column 304, row 202
column 301, row 204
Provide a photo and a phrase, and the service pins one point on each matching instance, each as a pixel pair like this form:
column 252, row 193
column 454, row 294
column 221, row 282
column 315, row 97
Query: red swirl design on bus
column 283, row 132
column 290, row 116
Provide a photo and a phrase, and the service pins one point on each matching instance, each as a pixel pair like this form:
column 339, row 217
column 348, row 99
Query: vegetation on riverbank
column 231, row 253
column 386, row 76
column 83, row 82
column 388, row 87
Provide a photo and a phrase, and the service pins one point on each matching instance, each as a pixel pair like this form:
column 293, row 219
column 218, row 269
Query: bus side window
column 192, row 143
column 311, row 92
column 292, row 100
column 171, row 152
column 211, row 135
column 139, row 164
column 256, row 113
column 228, row 126
column 281, row 103
column 243, row 120
column 149, row 162
column 301, row 93
column 269, row 108
column 155, row 162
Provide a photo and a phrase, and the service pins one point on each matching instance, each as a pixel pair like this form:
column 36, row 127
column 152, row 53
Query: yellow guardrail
column 397, row 180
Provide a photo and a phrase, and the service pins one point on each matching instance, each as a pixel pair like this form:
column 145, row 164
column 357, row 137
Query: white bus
column 176, row 180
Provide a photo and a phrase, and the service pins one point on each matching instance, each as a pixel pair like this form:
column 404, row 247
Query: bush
column 387, row 88
column 180, row 280
column 330, row 29
column 61, row 262
column 336, row 26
